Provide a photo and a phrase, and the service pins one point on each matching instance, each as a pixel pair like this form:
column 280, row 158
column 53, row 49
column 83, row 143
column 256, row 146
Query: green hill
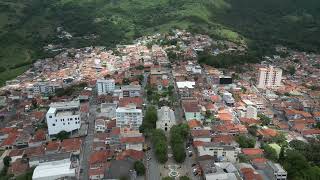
column 27, row 25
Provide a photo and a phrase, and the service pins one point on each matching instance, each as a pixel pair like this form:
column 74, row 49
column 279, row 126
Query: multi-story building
column 269, row 77
column 129, row 117
column 44, row 88
column 219, row 152
column 105, row 86
column 63, row 116
column 131, row 90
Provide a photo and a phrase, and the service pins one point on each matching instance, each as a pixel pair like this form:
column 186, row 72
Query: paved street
column 152, row 166
column 88, row 141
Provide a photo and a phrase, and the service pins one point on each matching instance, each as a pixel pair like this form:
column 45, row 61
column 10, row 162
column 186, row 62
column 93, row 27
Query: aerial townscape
column 163, row 108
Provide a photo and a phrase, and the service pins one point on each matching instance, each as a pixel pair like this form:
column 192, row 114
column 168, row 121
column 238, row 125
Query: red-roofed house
column 133, row 154
column 125, row 101
column 99, row 158
column 9, row 142
column 18, row 167
column 250, row 174
column 201, row 135
column 38, row 138
column 267, row 133
column 134, row 143
column 71, row 145
column 252, row 152
column 194, row 124
column 52, row 147
column 191, row 110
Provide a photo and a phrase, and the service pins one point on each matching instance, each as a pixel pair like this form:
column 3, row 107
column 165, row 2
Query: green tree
column 264, row 119
column 291, row 69
column 184, row 178
column 160, row 145
column 149, row 120
column 167, row 178
column 245, row 142
column 269, row 152
column 139, row 167
column 62, row 135
column 295, row 163
column 178, row 135
column 7, row 160
column 253, row 130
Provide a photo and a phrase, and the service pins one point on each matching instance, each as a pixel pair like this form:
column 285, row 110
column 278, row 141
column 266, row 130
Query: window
column 53, row 124
column 50, row 116
column 68, row 123
column 195, row 114
column 64, row 123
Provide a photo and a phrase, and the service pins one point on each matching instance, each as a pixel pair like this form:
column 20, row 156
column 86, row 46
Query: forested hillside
column 27, row 25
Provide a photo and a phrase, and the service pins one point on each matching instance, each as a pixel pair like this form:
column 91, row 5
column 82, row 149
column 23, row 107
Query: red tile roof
column 16, row 152
column 198, row 143
column 194, row 123
column 252, row 151
column 136, row 155
column 138, row 101
column 97, row 171
column 99, row 157
column 190, row 106
column 249, row 174
column 132, row 139
column 311, row 131
column 18, row 167
column 226, row 139
column 34, row 151
column 267, row 132
column 40, row 135
column 249, row 121
column 53, row 146
column 115, row 131
column 71, row 145
column 200, row 133
column 259, row 160
column 11, row 139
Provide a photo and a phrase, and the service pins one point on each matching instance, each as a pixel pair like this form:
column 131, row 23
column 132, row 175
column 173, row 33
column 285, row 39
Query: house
column 99, row 158
column 133, row 142
column 72, row 145
column 194, row 124
column 100, row 125
column 201, row 135
column 191, row 110
column 252, row 152
column 97, row 173
column 18, row 167
column 130, row 153
column 292, row 114
column 219, row 152
column 131, row 91
column 129, row 117
column 108, row 110
column 267, row 133
column 316, row 116
column 166, row 118
column 125, row 101
column 52, row 147
column 271, row 170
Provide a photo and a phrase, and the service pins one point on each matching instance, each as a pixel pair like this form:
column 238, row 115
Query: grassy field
column 26, row 26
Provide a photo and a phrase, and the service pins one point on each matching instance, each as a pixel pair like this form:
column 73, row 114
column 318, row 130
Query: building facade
column 105, row 86
column 63, row 116
column 129, row 117
column 166, row 118
column 269, row 77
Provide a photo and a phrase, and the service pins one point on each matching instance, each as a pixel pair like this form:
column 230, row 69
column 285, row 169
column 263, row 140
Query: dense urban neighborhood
column 163, row 108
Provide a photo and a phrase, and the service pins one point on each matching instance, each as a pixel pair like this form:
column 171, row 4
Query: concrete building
column 129, row 117
column 166, row 118
column 45, row 88
column 191, row 110
column 108, row 110
column 105, row 86
column 228, row 99
column 269, row 77
column 63, row 116
column 54, row 170
column 251, row 112
column 131, row 91
column 219, row 152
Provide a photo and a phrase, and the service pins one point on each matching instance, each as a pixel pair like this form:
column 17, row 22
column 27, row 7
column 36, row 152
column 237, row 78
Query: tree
column 245, row 142
column 184, row 178
column 6, row 161
column 149, row 120
column 295, row 163
column 160, row 145
column 291, row 69
column 62, row 135
column 264, row 119
column 178, row 135
column 167, row 178
column 253, row 130
column 269, row 152
column 139, row 167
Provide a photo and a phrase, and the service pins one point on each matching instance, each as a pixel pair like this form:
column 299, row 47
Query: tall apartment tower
column 105, row 86
column 269, row 77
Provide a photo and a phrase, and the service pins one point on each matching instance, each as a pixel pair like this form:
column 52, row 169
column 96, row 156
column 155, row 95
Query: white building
column 100, row 125
column 186, row 84
column 63, row 116
column 45, row 88
column 228, row 99
column 129, row 117
column 269, row 77
column 221, row 152
column 166, row 118
column 251, row 112
column 131, row 91
column 105, row 86
column 54, row 170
